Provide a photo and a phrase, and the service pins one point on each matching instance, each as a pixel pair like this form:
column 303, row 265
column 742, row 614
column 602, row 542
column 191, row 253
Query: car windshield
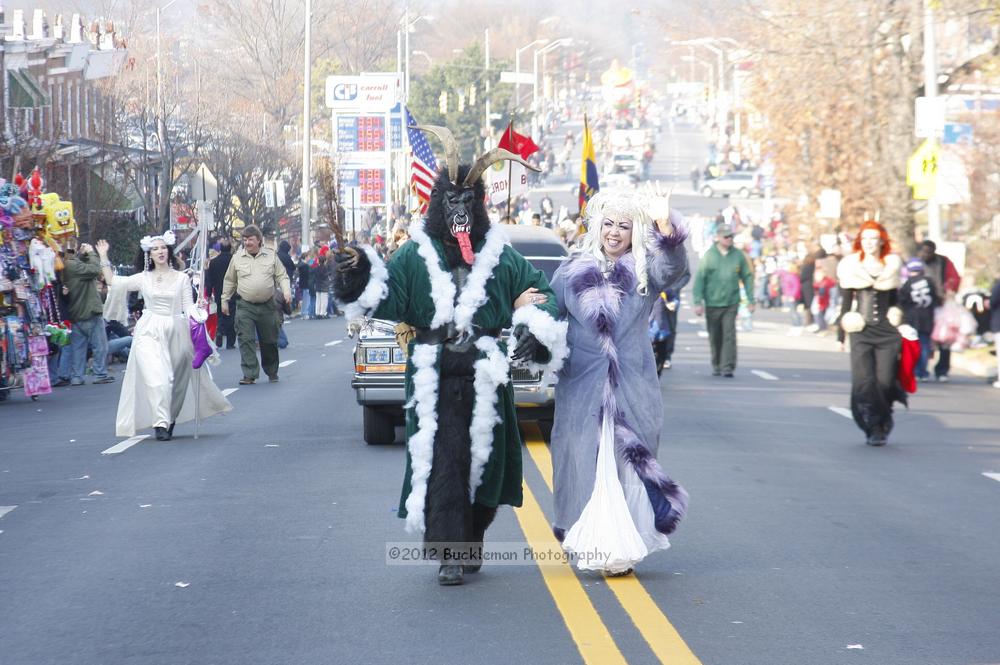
column 546, row 256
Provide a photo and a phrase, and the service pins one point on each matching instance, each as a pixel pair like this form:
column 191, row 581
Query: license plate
column 398, row 357
column 377, row 355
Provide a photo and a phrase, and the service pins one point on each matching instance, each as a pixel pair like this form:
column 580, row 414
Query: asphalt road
column 264, row 540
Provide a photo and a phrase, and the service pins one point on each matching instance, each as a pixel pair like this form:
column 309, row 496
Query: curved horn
column 489, row 159
column 450, row 147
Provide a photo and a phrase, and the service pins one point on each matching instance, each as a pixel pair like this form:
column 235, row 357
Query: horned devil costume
column 455, row 283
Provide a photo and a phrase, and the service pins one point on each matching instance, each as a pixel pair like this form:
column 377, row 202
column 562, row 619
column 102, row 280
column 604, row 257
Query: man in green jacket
column 86, row 312
column 717, row 296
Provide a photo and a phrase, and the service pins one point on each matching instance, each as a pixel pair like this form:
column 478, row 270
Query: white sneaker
column 942, row 379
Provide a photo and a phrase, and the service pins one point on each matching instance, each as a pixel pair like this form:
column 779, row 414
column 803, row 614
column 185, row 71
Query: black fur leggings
column 450, row 516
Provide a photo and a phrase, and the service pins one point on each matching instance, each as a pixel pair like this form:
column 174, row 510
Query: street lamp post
column 564, row 41
column 517, row 69
column 408, row 27
column 306, row 192
column 160, row 109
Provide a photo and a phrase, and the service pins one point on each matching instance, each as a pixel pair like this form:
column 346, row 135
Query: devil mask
column 457, row 207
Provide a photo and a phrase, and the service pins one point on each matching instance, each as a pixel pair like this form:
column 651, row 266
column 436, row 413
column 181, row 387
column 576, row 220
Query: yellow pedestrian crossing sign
column 922, row 169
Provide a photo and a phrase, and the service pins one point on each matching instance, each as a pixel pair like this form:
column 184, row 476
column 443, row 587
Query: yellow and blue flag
column 588, row 168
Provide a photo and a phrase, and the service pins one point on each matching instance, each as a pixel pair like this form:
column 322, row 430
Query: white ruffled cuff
column 375, row 292
column 547, row 330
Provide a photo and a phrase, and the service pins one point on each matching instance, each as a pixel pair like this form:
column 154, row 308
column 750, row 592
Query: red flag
column 519, row 144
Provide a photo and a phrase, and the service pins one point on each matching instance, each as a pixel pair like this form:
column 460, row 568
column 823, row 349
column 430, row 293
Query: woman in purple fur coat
column 634, row 249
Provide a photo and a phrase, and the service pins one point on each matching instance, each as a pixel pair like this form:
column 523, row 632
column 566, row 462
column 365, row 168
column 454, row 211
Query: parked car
column 743, row 184
column 628, row 163
column 380, row 365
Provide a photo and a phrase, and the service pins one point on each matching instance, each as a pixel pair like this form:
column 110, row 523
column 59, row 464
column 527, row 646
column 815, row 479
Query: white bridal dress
column 159, row 384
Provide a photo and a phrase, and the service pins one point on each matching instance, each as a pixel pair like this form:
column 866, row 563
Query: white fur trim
column 421, row 444
column 894, row 316
column 442, row 288
column 852, row 275
column 548, row 331
column 492, row 371
column 375, row 292
column 473, row 294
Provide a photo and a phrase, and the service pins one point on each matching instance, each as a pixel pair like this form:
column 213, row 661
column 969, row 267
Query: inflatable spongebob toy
column 59, row 220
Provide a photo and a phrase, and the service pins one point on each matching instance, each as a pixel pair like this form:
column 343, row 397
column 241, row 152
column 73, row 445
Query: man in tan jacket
column 253, row 275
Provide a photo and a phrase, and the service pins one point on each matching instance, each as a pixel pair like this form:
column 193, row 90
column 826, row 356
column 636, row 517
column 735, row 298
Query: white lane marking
column 988, row 474
column 6, row 509
column 702, row 333
column 124, row 445
column 286, row 363
column 767, row 376
column 694, row 322
column 229, row 391
column 334, row 342
column 841, row 411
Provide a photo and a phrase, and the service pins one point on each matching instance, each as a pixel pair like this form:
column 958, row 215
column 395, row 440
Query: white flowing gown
column 159, row 382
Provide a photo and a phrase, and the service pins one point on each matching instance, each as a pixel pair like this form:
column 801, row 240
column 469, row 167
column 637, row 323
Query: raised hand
column 102, row 247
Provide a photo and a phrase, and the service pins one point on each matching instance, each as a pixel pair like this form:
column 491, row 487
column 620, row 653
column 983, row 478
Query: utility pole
column 306, row 194
column 486, row 92
column 930, row 92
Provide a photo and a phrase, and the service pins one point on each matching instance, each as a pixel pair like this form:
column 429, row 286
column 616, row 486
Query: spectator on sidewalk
column 946, row 280
column 284, row 255
column 214, row 278
column 995, row 325
column 119, row 341
column 918, row 298
column 86, row 312
column 304, row 271
column 823, row 287
column 717, row 296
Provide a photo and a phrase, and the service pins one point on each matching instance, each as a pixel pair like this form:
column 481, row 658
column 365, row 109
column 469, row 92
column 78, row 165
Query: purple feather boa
column 667, row 243
column 600, row 299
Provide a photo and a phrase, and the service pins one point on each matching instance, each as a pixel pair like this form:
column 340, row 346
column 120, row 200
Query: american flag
column 423, row 167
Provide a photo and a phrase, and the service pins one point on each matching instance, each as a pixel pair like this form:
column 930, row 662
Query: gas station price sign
column 370, row 184
column 360, row 133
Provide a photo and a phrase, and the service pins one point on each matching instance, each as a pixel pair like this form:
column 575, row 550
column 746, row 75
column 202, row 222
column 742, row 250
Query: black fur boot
column 482, row 517
column 450, row 575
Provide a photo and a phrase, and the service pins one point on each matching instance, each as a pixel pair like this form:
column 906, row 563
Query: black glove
column 527, row 345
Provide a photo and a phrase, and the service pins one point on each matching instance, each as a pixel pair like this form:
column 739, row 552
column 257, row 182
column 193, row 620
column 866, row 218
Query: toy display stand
column 32, row 226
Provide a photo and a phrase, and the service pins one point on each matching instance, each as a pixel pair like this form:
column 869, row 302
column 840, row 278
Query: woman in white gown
column 159, row 386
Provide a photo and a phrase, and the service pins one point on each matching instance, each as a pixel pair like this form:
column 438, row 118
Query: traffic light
column 443, row 102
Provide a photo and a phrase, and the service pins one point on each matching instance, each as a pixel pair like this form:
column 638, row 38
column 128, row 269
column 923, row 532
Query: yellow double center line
column 592, row 637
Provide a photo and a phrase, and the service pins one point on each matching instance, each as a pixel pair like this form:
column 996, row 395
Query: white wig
column 617, row 208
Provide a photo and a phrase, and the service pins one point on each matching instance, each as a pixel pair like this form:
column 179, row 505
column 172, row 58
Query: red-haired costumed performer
column 869, row 283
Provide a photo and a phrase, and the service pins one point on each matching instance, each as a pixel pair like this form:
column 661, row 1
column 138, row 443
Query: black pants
column 663, row 349
column 226, row 327
column 943, row 365
column 874, row 364
column 450, row 517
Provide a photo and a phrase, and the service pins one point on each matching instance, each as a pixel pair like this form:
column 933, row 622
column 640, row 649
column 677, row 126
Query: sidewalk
column 772, row 330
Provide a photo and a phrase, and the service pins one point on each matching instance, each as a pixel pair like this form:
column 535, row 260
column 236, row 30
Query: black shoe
column 477, row 559
column 170, row 430
column 162, row 434
column 450, row 575
column 877, row 439
column 728, row 375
